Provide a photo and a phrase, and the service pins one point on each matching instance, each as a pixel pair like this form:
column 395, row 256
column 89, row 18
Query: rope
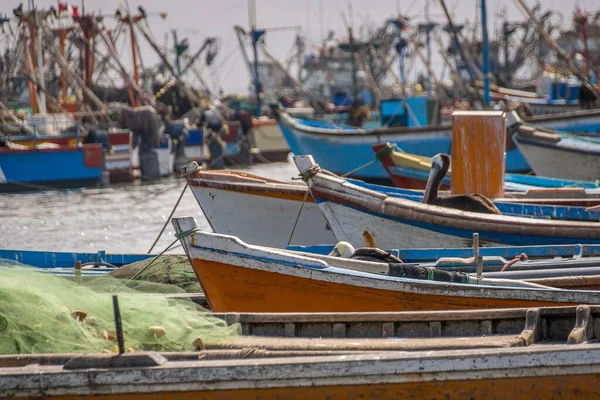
column 520, row 257
column 298, row 217
column 384, row 152
column 168, row 219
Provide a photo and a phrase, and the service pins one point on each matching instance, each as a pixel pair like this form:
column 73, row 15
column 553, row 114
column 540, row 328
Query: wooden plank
column 478, row 147
column 370, row 344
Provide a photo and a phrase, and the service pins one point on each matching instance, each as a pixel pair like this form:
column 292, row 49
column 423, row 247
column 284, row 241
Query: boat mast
column 427, row 27
column 582, row 20
column 486, row 57
column 63, row 71
column 400, row 46
column 256, row 35
column 457, row 42
column 560, row 53
column 41, row 104
column 136, row 76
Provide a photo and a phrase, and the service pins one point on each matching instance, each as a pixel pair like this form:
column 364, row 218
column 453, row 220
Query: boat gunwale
column 256, row 187
column 293, row 123
column 519, row 140
column 321, row 188
column 352, row 369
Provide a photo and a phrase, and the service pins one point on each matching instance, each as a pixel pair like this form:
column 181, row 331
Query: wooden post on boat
column 478, row 147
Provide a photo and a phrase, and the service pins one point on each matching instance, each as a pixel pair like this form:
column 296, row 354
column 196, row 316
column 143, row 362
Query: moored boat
column 547, row 153
column 50, row 167
column 517, row 353
column 342, row 149
column 258, row 210
column 269, row 141
column 239, row 277
column 410, row 171
column 361, row 215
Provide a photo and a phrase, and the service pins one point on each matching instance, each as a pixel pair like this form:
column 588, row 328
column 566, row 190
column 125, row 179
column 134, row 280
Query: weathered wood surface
column 372, row 345
column 478, row 147
column 239, row 277
column 530, row 325
column 484, row 366
column 562, row 371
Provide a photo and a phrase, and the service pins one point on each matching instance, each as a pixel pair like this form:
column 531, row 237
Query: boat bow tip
column 190, row 169
column 304, row 163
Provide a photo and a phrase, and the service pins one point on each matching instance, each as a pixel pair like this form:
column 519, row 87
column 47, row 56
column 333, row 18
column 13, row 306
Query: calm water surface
column 123, row 219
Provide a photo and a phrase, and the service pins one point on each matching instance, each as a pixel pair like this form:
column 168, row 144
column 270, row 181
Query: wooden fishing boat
column 360, row 215
column 61, row 259
column 239, row 277
column 547, row 153
column 410, row 171
column 258, row 210
column 269, row 141
column 492, row 354
column 342, row 149
column 53, row 166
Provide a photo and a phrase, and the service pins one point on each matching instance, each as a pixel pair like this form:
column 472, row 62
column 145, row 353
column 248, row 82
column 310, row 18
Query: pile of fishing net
column 44, row 313
column 169, row 269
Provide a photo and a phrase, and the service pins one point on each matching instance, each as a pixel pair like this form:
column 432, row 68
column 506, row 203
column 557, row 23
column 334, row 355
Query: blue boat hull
column 342, row 149
column 342, row 152
column 50, row 168
column 56, row 259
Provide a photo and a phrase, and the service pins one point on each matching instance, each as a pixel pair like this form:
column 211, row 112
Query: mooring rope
column 169, row 219
column 315, row 169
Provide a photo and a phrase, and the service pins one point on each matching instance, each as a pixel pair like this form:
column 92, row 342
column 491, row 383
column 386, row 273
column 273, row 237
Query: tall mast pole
column 486, row 57
column 256, row 35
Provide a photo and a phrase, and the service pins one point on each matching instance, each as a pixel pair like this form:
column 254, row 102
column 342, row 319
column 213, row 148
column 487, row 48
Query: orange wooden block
column 478, row 152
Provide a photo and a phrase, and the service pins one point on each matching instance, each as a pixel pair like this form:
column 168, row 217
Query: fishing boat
column 225, row 196
column 257, row 209
column 547, row 153
column 343, row 149
column 239, row 277
column 50, row 166
column 494, row 354
column 62, row 259
column 360, row 215
column 410, row 171
column 269, row 141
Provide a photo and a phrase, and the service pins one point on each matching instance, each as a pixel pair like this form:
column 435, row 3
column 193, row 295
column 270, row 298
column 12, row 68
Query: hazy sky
column 196, row 19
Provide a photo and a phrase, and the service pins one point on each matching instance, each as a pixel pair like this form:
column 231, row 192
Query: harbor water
column 117, row 219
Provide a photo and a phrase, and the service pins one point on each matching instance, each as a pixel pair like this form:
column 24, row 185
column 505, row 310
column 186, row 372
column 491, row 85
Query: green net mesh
column 44, row 313
column 169, row 269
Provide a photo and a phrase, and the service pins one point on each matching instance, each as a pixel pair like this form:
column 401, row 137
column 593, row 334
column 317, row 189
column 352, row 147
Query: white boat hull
column 561, row 163
column 365, row 230
column 262, row 219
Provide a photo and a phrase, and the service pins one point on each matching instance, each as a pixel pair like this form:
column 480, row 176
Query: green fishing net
column 44, row 313
column 169, row 269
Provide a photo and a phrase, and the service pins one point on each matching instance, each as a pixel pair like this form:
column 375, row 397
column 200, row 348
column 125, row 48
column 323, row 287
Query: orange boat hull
column 584, row 386
column 230, row 288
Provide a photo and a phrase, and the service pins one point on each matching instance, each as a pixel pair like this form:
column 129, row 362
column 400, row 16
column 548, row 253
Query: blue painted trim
column 507, row 252
column 514, row 209
column 49, row 259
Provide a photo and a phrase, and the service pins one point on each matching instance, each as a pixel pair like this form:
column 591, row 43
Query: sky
column 197, row 19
